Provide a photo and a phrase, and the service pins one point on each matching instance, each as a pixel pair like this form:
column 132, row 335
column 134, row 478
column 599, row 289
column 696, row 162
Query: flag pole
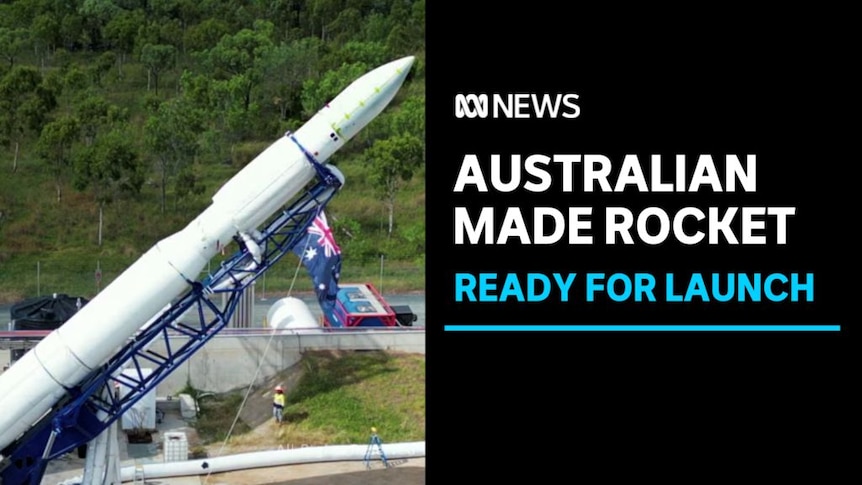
column 381, row 272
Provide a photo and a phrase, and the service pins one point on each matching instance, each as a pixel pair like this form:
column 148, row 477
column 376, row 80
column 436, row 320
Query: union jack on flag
column 320, row 228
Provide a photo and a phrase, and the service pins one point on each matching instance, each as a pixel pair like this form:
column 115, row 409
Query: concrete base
column 188, row 407
column 230, row 362
column 71, row 467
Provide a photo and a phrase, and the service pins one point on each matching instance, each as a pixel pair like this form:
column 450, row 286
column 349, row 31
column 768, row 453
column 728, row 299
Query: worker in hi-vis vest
column 278, row 404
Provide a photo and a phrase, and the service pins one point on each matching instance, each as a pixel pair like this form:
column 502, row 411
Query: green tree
column 148, row 33
column 409, row 117
column 393, row 161
column 14, row 14
column 102, row 65
column 367, row 53
column 189, row 183
column 345, row 25
column 45, row 32
column 55, row 147
column 95, row 16
column 121, row 32
column 408, row 31
column 376, row 28
column 12, row 42
column 110, row 167
column 321, row 14
column 242, row 56
column 236, row 119
column 287, row 15
column 171, row 138
column 202, row 36
column 75, row 80
column 189, row 12
column 157, row 59
column 417, row 21
column 287, row 67
column 207, row 96
column 62, row 60
column 100, row 11
column 25, row 105
column 171, row 33
column 92, row 113
column 72, row 31
column 54, row 82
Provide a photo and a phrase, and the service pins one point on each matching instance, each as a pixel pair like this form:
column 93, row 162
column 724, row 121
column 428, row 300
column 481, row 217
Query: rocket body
column 34, row 384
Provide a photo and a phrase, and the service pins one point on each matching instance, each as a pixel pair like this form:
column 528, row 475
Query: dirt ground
column 400, row 472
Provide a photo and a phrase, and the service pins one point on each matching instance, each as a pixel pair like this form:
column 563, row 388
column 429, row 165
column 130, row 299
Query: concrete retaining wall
column 230, row 362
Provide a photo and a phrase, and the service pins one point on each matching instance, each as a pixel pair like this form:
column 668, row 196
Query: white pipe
column 262, row 459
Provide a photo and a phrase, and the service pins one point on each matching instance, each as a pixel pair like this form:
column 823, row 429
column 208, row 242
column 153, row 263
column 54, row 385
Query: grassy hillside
column 49, row 247
column 337, row 399
column 55, row 234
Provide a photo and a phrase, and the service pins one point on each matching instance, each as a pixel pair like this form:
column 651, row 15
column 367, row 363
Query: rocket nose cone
column 402, row 69
column 405, row 63
column 364, row 99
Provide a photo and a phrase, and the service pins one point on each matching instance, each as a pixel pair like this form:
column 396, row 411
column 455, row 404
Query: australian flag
column 322, row 257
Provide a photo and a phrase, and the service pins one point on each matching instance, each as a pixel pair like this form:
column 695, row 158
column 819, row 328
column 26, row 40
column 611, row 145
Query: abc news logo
column 517, row 105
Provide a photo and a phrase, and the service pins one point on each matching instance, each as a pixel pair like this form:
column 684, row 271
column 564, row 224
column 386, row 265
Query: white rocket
column 37, row 382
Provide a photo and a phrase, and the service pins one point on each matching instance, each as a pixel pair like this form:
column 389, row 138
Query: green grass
column 48, row 247
column 346, row 396
column 217, row 415
column 337, row 400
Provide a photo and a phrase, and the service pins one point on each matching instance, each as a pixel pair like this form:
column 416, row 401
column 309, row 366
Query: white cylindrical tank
column 142, row 415
column 291, row 313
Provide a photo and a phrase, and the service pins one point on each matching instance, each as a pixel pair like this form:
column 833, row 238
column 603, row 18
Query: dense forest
column 119, row 119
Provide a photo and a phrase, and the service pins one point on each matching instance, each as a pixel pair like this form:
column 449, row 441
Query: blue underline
column 642, row 328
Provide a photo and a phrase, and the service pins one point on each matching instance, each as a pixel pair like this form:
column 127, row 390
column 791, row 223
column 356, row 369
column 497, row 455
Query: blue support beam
column 96, row 402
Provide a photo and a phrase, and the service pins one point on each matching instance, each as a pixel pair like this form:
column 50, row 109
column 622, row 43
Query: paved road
column 261, row 307
column 404, row 472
